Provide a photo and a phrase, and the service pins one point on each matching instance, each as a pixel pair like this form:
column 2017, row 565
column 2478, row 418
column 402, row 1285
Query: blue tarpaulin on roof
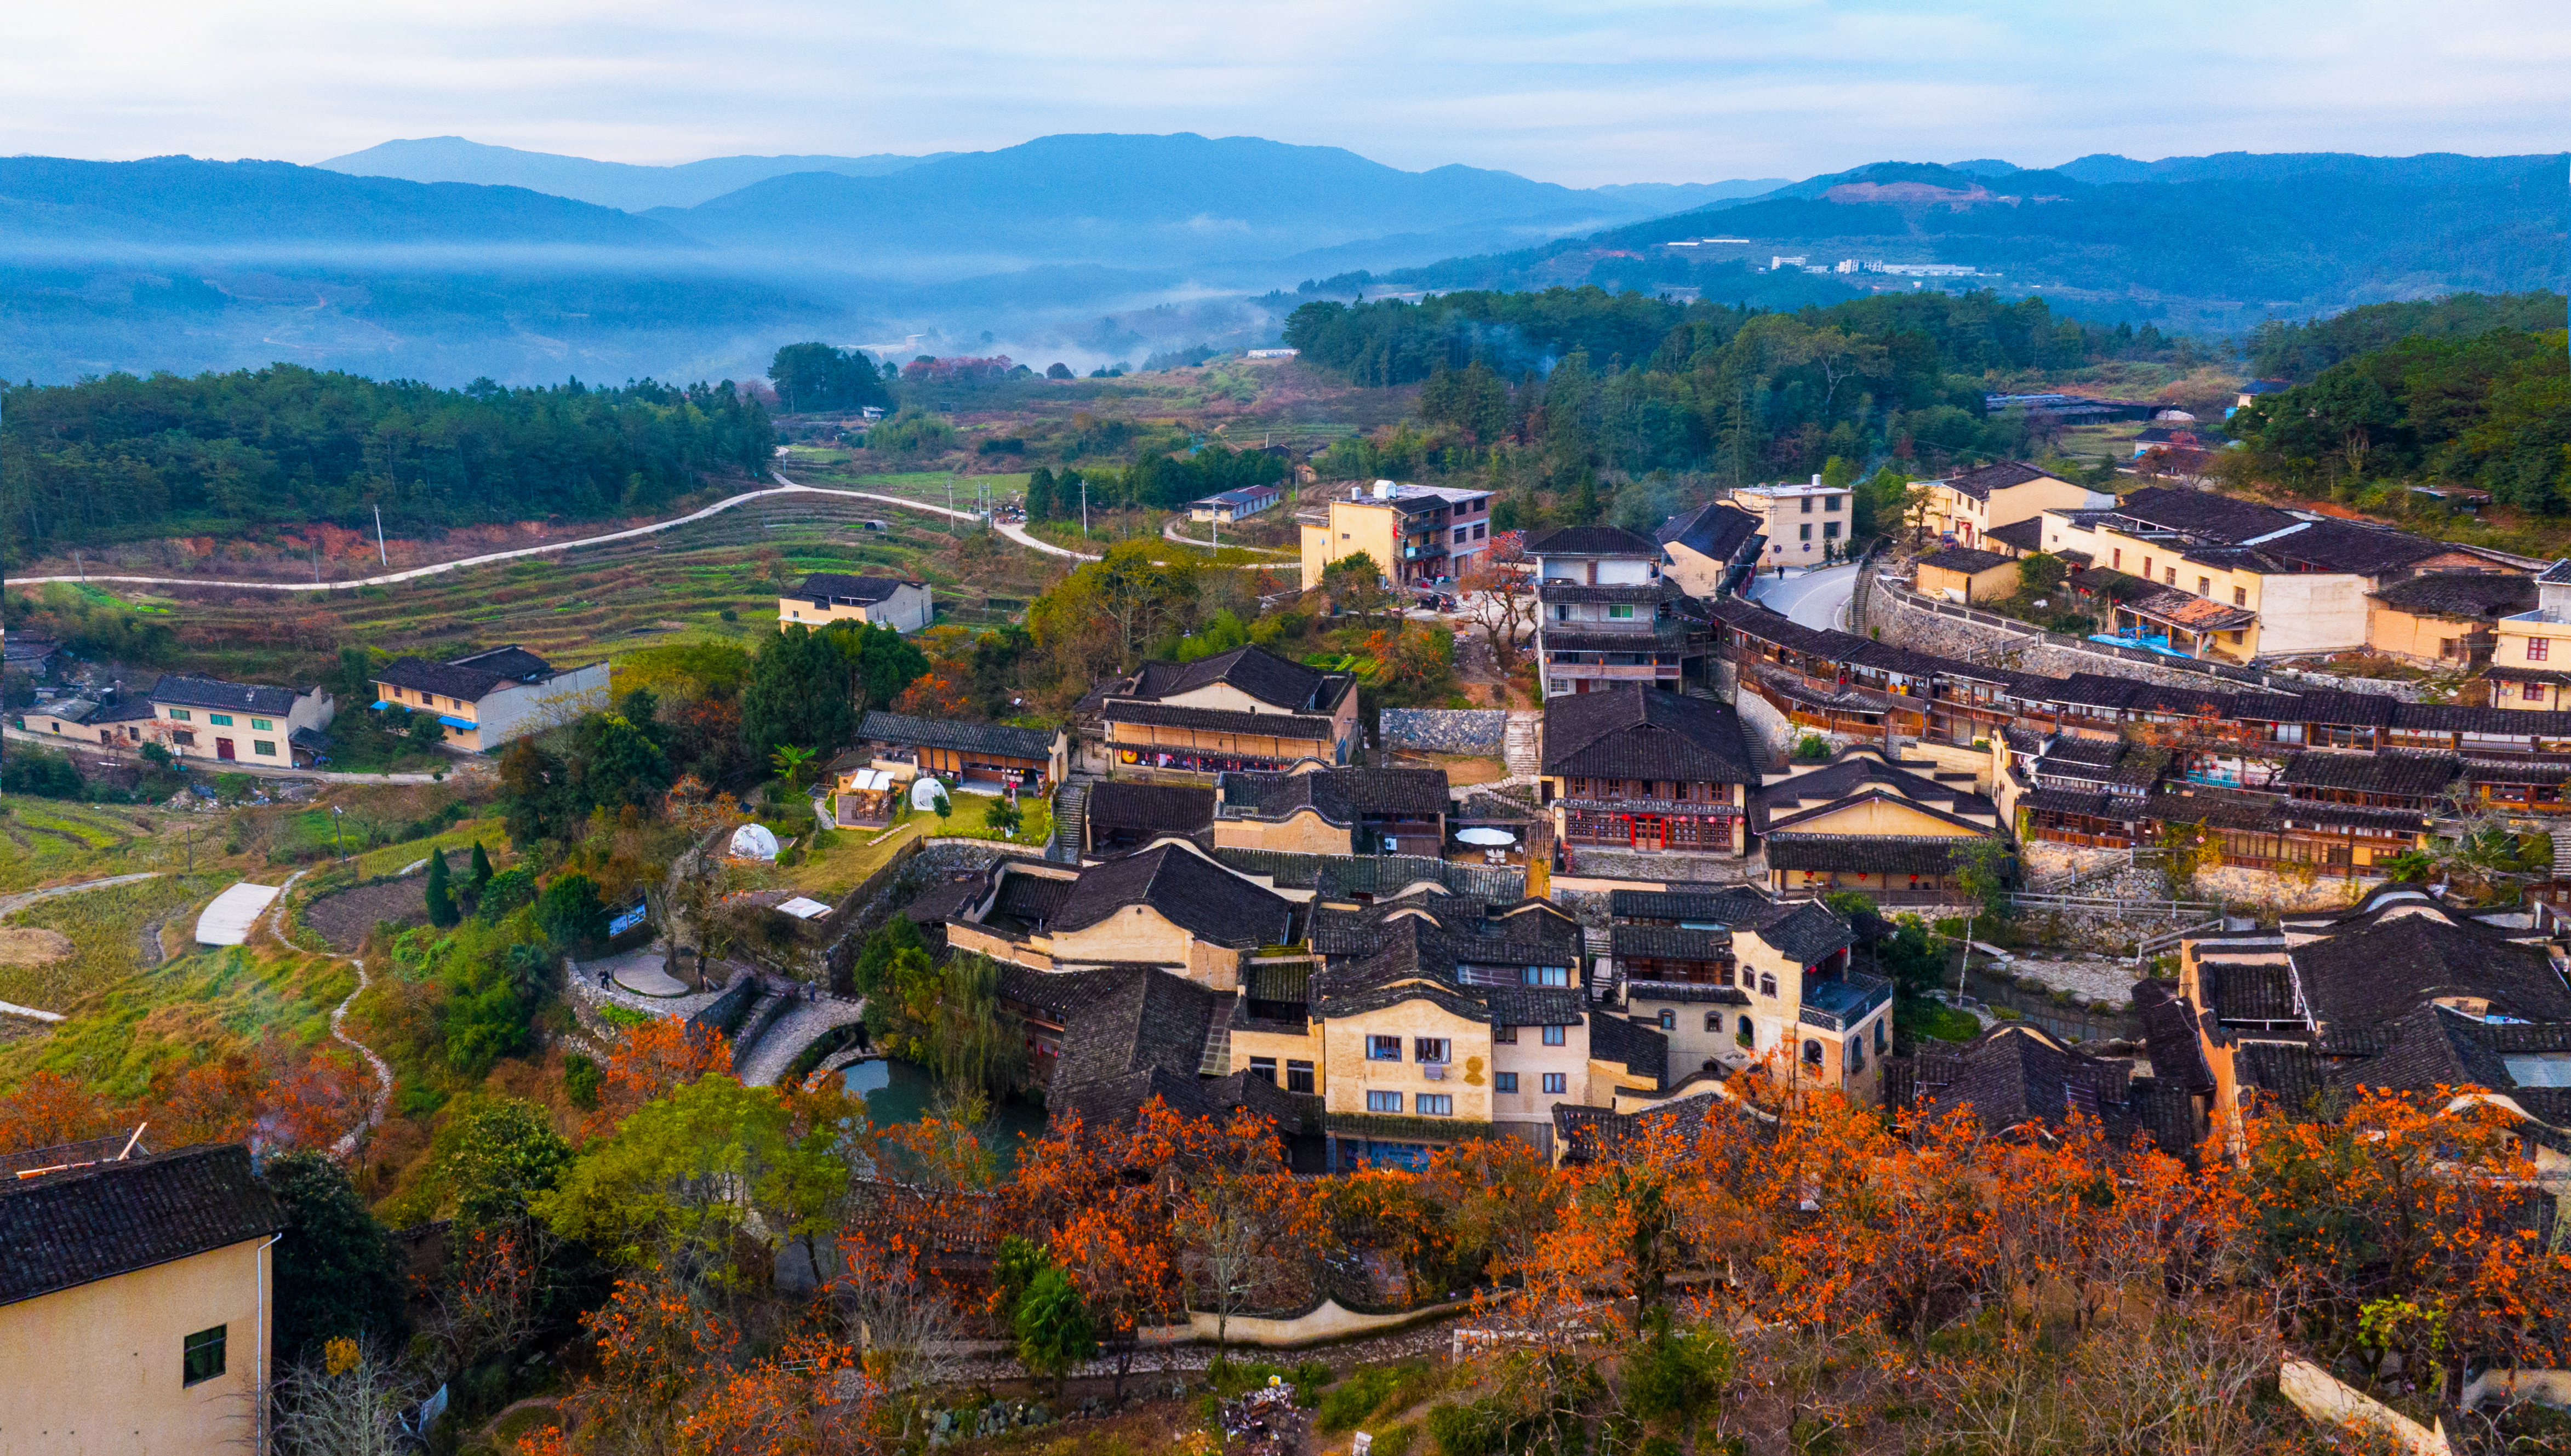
column 465, row 724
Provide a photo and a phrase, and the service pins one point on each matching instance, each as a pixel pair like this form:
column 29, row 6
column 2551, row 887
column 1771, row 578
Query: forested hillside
column 121, row 456
column 2491, row 410
column 2301, row 350
column 1640, row 385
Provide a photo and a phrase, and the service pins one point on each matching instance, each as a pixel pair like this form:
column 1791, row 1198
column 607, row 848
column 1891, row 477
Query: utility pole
column 379, row 536
column 1084, row 510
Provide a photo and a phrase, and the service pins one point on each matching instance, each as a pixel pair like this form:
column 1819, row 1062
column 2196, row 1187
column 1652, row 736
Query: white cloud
column 1614, row 91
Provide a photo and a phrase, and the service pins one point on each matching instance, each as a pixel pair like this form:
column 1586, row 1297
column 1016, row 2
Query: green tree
column 2040, row 573
column 441, row 899
column 1054, row 1327
column 336, row 1276
column 511, row 889
column 788, row 761
column 569, row 911
column 481, row 869
column 1040, row 500
column 1355, row 584
column 495, row 1158
column 818, row 378
column 1981, row 875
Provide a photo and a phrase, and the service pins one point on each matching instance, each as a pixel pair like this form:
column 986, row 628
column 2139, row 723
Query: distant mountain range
column 1091, row 248
column 2200, row 243
column 608, row 184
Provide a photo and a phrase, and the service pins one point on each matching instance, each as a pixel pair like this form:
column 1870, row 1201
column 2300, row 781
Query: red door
column 224, row 749
column 1648, row 831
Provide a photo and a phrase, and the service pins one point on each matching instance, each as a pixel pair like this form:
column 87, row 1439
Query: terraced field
column 46, row 841
column 623, row 596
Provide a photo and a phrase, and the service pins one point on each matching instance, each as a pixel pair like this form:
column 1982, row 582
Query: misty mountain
column 1129, row 201
column 608, row 184
column 2209, row 244
column 48, row 203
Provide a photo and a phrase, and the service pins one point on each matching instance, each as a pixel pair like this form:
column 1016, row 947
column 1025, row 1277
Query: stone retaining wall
column 1476, row 730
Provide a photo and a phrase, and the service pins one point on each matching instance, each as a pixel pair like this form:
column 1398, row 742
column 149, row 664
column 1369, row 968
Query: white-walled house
column 899, row 603
column 491, row 697
column 244, row 723
column 1607, row 617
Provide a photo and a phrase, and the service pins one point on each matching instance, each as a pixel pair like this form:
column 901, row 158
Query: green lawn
column 853, row 854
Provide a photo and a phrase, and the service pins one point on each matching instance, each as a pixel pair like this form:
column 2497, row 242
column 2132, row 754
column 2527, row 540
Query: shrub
column 569, row 911
column 510, row 890
column 581, row 1080
column 1307, row 1379
column 1395, row 1442
column 1354, row 1401
column 45, row 775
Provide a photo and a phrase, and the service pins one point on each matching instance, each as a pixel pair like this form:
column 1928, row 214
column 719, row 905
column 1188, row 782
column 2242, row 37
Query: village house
column 2023, row 1081
column 1711, row 551
column 1120, row 816
column 492, row 698
column 136, row 1303
column 207, row 717
column 1805, row 525
column 1333, row 810
column 1235, row 505
column 1414, row 533
column 2446, row 619
column 2244, row 581
column 1169, row 908
column 1966, row 575
column 1899, row 830
column 1969, row 506
column 1246, row 709
column 1639, row 768
column 825, row 598
column 2530, row 663
column 978, row 758
column 1606, row 617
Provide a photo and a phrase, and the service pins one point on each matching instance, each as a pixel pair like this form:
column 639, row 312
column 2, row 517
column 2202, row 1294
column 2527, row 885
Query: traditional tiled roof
column 2217, row 517
column 1591, row 541
column 184, row 690
column 2470, row 596
column 1134, row 1020
column 2015, row 1074
column 1253, row 670
column 1340, row 795
column 2170, row 1037
column 2250, row 991
column 1861, row 773
column 1870, row 853
column 1668, row 942
column 1716, row 531
column 1642, row 1050
column 2396, row 772
column 1179, row 808
column 2377, row 972
column 1805, row 932
column 2429, row 1048
column 468, row 678
column 994, row 738
column 1207, row 900
column 1964, row 559
column 1643, row 732
column 63, row 1230
column 1590, row 1135
column 2027, row 535
column 1715, row 904
column 1980, row 483
column 822, row 587
column 947, row 897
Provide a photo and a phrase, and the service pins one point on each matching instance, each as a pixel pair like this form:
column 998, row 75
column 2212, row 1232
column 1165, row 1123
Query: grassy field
column 48, row 841
column 853, row 854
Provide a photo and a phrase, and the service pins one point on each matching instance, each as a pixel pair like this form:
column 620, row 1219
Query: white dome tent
column 926, row 792
column 754, row 841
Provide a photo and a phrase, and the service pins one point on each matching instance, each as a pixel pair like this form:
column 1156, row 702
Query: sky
column 1581, row 93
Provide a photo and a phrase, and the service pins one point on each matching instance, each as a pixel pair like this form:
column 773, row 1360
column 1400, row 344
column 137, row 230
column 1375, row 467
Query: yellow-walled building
column 135, row 1304
column 1413, row 533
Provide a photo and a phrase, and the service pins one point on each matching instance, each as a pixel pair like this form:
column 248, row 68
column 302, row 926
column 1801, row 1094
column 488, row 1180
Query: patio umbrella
column 1486, row 837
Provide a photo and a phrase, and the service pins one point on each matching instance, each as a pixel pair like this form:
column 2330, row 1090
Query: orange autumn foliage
column 650, row 1063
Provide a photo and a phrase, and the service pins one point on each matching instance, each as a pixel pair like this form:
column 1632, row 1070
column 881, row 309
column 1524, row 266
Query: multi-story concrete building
column 2530, row 666
column 1711, row 550
column 1804, row 524
column 492, row 698
column 1414, row 533
column 1607, row 617
column 1972, row 505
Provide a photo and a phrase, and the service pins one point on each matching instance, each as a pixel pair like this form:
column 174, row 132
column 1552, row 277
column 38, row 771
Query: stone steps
column 1070, row 823
column 1522, row 743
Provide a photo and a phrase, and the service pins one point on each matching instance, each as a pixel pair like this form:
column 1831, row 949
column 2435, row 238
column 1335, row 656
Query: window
column 1669, row 1020
column 1548, row 975
column 1437, row 1105
column 2169, row 576
column 1554, row 1035
column 2204, row 585
column 1620, row 611
column 178, row 715
column 1298, row 1077
column 1857, row 1055
column 1879, row 1024
column 219, row 719
column 1712, row 1022
column 1383, row 1049
column 1806, row 529
column 1829, row 503
column 201, row 1356
column 1384, row 1102
column 2537, row 646
column 2446, row 647
column 2240, row 596
column 1829, row 530
column 1812, row 1054
column 2118, row 563
column 2147, row 568
column 266, row 747
column 1504, row 1082
column 187, row 739
column 1749, row 1035
column 1807, row 505
column 1557, row 1082
column 1506, row 1036
column 261, row 724
column 1265, row 1069
column 1766, row 985
column 1561, row 614
column 1481, row 530
column 1430, row 1049
column 1459, row 536
column 2533, row 693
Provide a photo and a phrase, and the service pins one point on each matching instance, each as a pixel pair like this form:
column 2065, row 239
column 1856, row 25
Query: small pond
column 900, row 1091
